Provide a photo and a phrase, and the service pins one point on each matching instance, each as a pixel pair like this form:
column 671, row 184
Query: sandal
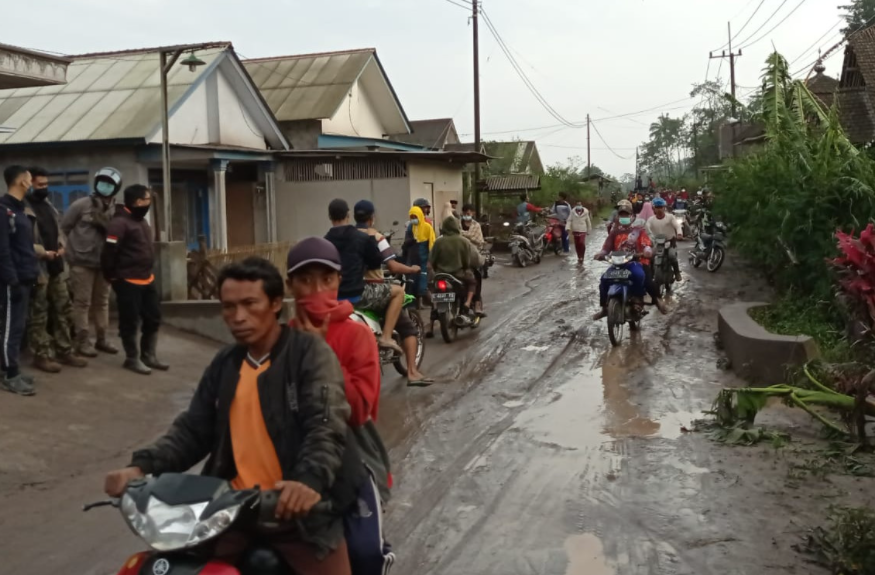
column 424, row 382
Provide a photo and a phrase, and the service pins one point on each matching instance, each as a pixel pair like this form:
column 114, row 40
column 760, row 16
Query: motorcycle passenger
column 418, row 241
column 562, row 209
column 365, row 214
column 452, row 255
column 628, row 238
column 471, row 229
column 666, row 225
column 425, row 206
column 361, row 253
column 523, row 209
column 251, row 436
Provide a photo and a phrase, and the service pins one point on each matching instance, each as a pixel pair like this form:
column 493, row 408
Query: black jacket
column 128, row 252
column 358, row 253
column 18, row 262
column 305, row 410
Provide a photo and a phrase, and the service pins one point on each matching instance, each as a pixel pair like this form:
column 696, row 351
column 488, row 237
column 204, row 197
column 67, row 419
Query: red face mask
column 321, row 305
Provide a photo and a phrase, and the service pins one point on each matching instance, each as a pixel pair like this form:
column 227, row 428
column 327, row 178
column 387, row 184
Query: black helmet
column 107, row 182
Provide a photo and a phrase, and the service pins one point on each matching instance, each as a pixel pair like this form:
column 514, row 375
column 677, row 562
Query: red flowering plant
column 856, row 268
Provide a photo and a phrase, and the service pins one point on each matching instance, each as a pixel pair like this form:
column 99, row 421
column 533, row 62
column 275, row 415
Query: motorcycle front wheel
column 715, row 259
column 616, row 321
column 695, row 261
column 449, row 329
column 401, row 363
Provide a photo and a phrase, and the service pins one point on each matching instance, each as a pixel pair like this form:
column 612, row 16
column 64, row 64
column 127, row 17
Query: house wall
column 302, row 134
column 444, row 179
column 355, row 117
column 213, row 114
column 302, row 207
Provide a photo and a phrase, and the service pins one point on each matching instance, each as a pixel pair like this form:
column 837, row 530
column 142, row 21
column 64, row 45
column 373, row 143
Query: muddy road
column 541, row 449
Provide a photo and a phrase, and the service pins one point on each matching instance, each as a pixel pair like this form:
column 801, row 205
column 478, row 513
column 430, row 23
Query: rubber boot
column 103, row 345
column 46, row 364
column 148, row 345
column 83, row 345
column 73, row 360
column 132, row 356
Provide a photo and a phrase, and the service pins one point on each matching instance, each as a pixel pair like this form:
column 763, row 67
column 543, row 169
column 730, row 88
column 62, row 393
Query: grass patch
column 792, row 315
column 847, row 544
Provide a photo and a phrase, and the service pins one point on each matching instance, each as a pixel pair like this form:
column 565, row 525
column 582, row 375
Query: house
column 350, row 139
column 22, row 68
column 434, row 134
column 109, row 113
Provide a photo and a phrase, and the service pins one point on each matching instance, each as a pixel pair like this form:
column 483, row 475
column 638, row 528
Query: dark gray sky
column 584, row 56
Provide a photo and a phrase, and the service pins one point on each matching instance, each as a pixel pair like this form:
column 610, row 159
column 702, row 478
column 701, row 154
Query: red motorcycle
column 553, row 234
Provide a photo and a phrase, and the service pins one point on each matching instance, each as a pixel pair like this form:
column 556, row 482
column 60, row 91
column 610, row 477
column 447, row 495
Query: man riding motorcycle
column 451, row 255
column 632, row 239
column 665, row 224
column 472, row 232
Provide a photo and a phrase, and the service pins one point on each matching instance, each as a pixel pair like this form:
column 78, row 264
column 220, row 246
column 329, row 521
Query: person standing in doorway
column 128, row 262
column 84, row 225
column 19, row 270
column 49, row 325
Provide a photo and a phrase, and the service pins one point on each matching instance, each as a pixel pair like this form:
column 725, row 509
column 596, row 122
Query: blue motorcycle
column 622, row 307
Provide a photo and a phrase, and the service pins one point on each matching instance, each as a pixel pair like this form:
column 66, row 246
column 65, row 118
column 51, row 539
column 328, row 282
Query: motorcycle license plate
column 618, row 274
column 444, row 297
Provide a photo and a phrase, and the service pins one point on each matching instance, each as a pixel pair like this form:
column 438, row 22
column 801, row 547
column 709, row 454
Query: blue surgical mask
column 625, row 221
column 415, row 221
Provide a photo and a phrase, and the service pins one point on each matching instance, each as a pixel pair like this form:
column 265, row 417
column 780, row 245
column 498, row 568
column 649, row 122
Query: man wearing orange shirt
column 127, row 262
column 269, row 412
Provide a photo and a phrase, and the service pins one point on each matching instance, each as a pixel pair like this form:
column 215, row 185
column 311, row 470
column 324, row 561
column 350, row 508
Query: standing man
column 19, row 270
column 84, row 226
column 50, row 298
column 523, row 209
column 562, row 209
column 128, row 262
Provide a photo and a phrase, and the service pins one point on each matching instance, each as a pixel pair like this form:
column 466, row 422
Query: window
column 67, row 187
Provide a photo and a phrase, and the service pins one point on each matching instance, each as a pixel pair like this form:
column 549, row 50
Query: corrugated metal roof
column 307, row 87
column 107, row 97
column 513, row 183
column 432, row 134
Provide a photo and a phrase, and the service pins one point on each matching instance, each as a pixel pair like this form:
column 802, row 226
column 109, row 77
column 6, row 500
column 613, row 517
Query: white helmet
column 107, row 182
column 699, row 193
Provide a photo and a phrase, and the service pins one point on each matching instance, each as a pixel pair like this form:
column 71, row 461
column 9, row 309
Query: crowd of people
column 56, row 272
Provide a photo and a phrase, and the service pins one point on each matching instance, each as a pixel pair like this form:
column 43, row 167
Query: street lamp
column 167, row 58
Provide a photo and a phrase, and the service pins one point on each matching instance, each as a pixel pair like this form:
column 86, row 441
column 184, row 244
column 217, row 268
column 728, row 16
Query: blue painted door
column 198, row 221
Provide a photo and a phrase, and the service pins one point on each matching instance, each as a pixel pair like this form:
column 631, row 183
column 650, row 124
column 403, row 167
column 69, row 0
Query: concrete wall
column 445, row 179
column 355, row 117
column 81, row 158
column 302, row 207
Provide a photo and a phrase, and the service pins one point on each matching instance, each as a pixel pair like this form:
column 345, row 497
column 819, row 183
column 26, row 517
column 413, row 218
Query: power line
column 816, row 42
column 597, row 133
column 831, row 52
column 456, row 3
column 760, row 5
column 773, row 28
column 521, row 73
column 763, row 25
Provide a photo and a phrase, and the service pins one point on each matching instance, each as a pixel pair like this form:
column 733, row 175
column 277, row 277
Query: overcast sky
column 590, row 56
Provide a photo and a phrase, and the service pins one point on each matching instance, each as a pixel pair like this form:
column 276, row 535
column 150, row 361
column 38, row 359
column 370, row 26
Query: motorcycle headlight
column 618, row 260
column 172, row 527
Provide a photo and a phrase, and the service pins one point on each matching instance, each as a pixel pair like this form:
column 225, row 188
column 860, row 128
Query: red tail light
column 442, row 285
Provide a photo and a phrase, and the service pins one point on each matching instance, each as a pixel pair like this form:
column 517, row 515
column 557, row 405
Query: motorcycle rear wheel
column 715, row 259
column 401, row 363
column 616, row 321
column 449, row 329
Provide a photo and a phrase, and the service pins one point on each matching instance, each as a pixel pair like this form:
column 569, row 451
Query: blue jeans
column 565, row 246
column 638, row 280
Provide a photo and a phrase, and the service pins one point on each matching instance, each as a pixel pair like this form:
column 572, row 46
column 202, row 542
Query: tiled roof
column 822, row 85
column 855, row 113
column 513, row 183
column 433, row 134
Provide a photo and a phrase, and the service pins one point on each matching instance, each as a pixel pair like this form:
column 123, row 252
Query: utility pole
column 588, row 156
column 166, row 60
column 475, row 21
column 696, row 149
column 732, row 56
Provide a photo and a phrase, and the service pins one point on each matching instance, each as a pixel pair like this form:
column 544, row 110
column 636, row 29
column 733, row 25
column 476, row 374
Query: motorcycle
column 680, row 215
column 180, row 515
column 710, row 248
column 523, row 249
column 553, row 235
column 375, row 322
column 622, row 307
column 448, row 294
column 663, row 274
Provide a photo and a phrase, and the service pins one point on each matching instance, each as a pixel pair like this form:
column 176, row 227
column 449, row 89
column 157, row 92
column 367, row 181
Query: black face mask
column 42, row 194
column 139, row 212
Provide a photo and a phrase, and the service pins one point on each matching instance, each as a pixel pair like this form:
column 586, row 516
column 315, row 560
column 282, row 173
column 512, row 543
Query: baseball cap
column 364, row 207
column 312, row 250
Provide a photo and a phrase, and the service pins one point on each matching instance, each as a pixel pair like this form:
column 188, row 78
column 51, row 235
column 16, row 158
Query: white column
column 219, row 231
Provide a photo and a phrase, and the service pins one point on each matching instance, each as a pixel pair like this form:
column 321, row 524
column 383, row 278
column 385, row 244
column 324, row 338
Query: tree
column 858, row 14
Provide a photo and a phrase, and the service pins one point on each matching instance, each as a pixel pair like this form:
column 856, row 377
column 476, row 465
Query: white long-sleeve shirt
column 579, row 223
column 669, row 227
